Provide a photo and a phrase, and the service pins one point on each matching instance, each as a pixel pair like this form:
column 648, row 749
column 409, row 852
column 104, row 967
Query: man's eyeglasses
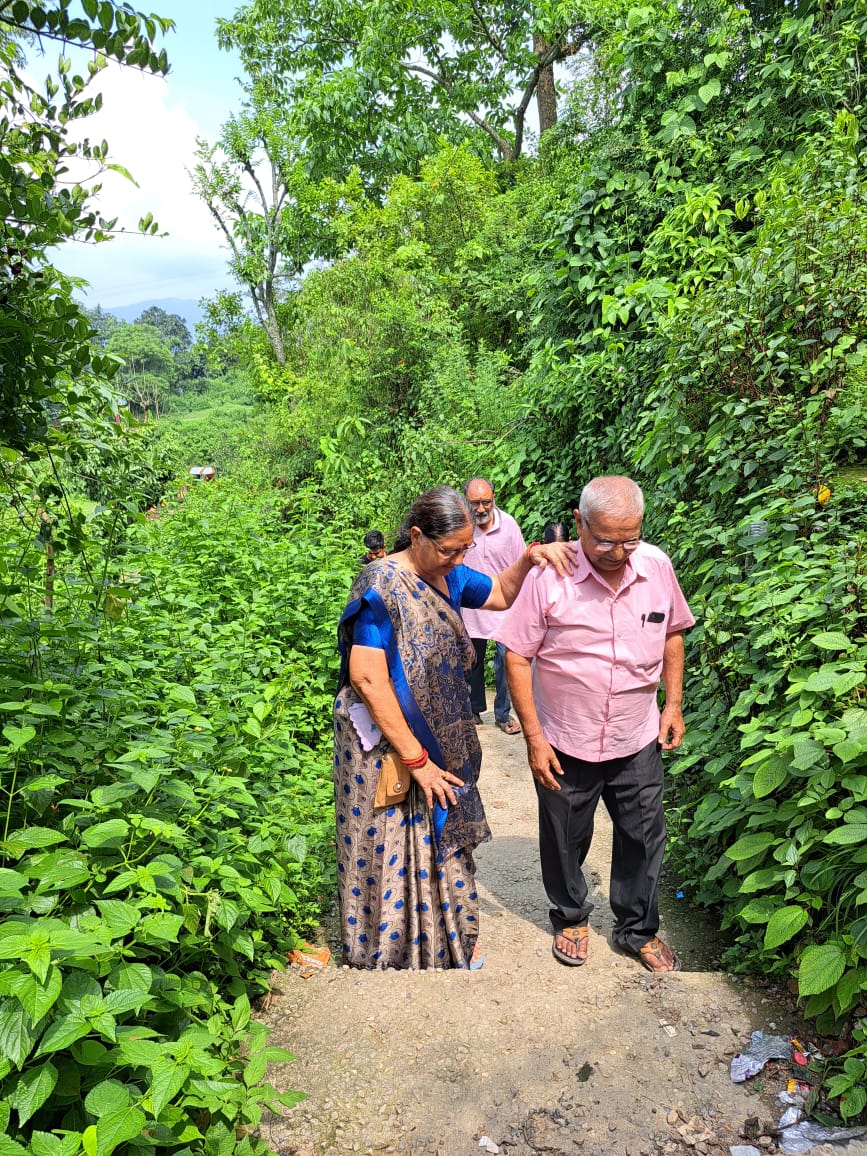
column 449, row 555
column 606, row 544
column 486, row 502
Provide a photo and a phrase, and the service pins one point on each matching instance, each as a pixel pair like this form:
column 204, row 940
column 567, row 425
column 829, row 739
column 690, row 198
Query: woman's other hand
column 561, row 555
column 437, row 784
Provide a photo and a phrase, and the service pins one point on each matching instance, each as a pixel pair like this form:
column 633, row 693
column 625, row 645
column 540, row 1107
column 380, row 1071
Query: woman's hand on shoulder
column 437, row 784
column 560, row 555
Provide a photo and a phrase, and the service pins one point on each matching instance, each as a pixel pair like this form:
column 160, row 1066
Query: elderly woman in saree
column 406, row 875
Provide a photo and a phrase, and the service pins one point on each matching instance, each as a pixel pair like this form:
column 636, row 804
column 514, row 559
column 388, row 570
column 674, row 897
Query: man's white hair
column 611, row 495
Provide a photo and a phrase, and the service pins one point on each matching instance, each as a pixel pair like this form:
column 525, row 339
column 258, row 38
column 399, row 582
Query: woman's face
column 440, row 556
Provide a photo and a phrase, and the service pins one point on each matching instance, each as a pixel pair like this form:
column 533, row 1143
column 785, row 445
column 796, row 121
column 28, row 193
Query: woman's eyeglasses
column 449, row 555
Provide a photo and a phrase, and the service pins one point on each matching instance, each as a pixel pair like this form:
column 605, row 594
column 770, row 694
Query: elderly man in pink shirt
column 585, row 658
column 498, row 543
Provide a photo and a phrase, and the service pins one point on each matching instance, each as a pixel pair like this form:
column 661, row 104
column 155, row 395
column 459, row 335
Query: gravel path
column 537, row 1057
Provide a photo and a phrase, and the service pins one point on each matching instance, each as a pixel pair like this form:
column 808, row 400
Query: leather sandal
column 580, row 936
column 656, row 952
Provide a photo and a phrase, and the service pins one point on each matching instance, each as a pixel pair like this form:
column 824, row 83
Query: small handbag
column 393, row 783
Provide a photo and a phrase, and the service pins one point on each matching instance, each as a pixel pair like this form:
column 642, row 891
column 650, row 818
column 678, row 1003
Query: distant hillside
column 189, row 310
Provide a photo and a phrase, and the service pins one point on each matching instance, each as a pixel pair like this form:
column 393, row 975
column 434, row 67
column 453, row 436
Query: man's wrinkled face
column 481, row 499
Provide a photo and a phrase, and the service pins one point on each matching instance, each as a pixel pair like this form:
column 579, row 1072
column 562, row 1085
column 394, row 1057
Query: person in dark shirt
column 374, row 540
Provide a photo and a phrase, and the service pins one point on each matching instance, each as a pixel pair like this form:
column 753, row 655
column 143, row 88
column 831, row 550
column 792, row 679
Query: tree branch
column 500, row 141
column 492, row 40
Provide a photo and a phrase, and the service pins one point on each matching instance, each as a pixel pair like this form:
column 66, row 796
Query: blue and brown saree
column 405, row 873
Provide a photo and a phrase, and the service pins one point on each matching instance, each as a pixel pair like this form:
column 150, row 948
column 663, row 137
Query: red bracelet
column 418, row 762
column 529, row 548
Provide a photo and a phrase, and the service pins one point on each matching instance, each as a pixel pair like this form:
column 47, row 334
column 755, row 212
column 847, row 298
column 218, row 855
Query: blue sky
column 151, row 125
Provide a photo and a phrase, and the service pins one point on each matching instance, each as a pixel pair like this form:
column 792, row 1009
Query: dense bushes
column 166, row 831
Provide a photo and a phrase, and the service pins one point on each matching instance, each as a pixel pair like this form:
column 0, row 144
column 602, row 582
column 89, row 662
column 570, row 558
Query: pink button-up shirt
column 495, row 551
column 598, row 652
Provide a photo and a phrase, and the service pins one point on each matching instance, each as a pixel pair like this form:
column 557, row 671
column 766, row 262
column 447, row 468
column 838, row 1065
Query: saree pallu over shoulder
column 405, row 874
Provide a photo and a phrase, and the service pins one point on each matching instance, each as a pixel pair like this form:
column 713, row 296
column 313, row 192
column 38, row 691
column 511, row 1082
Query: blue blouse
column 467, row 587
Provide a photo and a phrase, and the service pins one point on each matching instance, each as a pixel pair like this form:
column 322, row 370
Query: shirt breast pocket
column 651, row 639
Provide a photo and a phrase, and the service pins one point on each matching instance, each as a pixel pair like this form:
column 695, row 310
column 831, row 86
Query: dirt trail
column 538, row 1057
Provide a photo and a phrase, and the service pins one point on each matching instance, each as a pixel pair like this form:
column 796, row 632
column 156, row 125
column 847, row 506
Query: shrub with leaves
column 167, row 833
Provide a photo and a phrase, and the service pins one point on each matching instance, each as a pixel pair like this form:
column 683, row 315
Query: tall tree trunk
column 546, row 94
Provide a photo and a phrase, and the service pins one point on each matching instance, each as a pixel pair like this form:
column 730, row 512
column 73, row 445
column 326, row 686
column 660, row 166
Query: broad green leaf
column 770, row 775
column 240, row 1013
column 847, row 834
column 759, row 880
column 820, row 968
column 847, row 750
column 853, row 1102
column 120, row 917
column 109, row 1096
column 16, row 1034
column 289, row 1099
column 166, row 1081
column 848, row 681
column 88, row 1140
column 783, row 925
column 31, row 1090
column 61, row 1033
column 759, row 910
column 48, row 1144
column 19, row 737
column 120, row 1001
column 142, row 1053
column 254, row 1070
column 108, row 834
column 9, row 1147
column 831, row 640
column 821, row 680
column 44, row 783
column 161, row 926
column 806, row 753
column 34, row 996
column 183, row 694
column 117, row 1128
column 131, row 977
column 219, row 1140
column 749, row 845
column 21, row 841
column 851, row 987
column 708, row 91
column 64, row 868
column 113, row 793
column 11, row 882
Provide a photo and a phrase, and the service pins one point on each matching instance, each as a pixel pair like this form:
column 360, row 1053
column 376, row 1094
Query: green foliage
column 165, row 797
column 148, row 365
column 273, row 217
column 46, row 359
column 379, row 86
column 171, row 326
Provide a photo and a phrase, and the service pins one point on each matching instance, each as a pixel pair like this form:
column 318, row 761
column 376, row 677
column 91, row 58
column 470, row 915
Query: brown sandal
column 580, row 936
column 656, row 952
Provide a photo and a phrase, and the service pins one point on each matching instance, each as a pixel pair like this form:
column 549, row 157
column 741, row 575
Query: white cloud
column 154, row 138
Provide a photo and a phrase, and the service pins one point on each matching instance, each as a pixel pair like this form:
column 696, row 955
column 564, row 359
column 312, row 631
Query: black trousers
column 631, row 788
column 476, row 681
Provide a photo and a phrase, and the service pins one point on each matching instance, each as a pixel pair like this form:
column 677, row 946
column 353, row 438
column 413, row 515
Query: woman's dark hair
column 554, row 532
column 438, row 512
